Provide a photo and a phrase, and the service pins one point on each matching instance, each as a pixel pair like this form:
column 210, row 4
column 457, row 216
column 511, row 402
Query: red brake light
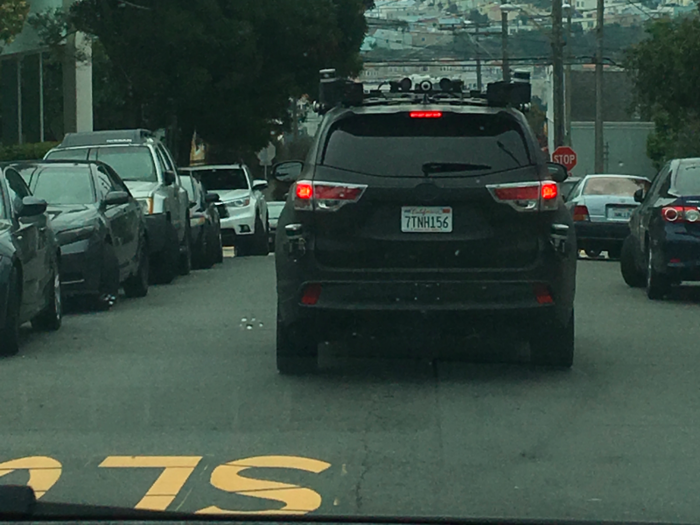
column 543, row 294
column 581, row 213
column 311, row 295
column 304, row 190
column 518, row 193
column 426, row 114
column 343, row 193
column 550, row 190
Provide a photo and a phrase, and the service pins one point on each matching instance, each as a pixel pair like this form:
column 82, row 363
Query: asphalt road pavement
column 173, row 402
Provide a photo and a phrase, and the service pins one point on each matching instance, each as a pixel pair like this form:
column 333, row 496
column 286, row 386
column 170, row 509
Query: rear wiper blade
column 505, row 150
column 451, row 167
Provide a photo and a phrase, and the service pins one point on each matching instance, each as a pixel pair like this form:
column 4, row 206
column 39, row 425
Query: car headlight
column 75, row 235
column 146, row 205
column 239, row 203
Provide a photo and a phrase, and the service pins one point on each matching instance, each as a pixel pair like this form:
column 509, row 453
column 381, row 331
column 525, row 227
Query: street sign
column 267, row 155
column 566, row 156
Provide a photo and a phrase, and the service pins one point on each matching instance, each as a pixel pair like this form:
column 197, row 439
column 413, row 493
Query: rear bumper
column 679, row 257
column 600, row 235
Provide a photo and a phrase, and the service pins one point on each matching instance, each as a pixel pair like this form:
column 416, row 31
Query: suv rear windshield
column 223, row 179
column 397, row 145
column 618, row 186
column 132, row 163
column 688, row 180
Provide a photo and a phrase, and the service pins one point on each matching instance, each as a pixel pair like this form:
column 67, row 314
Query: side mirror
column 259, row 185
column 639, row 195
column 31, row 207
column 558, row 172
column 116, row 198
column 211, row 198
column 169, row 178
column 287, row 171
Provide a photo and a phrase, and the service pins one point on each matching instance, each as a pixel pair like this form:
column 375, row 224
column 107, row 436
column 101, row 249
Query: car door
column 133, row 218
column 115, row 216
column 31, row 237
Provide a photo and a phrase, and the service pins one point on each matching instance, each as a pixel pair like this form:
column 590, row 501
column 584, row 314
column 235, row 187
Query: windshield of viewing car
column 222, row 179
column 398, row 145
column 688, row 180
column 132, row 163
column 60, row 185
column 618, row 186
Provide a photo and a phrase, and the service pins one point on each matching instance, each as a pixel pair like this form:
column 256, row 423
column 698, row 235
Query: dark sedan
column 205, row 223
column 30, row 285
column 663, row 248
column 100, row 228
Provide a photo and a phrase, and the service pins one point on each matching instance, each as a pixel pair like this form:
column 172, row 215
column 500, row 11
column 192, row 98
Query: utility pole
column 567, row 88
column 599, row 141
column 558, row 72
column 505, row 9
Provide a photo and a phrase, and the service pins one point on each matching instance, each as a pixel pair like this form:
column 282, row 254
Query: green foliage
column 13, row 15
column 665, row 75
column 34, row 151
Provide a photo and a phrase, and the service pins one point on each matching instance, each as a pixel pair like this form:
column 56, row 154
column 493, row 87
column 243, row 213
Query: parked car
column 427, row 211
column 274, row 210
column 567, row 186
column 245, row 225
column 663, row 247
column 601, row 206
column 148, row 169
column 99, row 225
column 30, row 282
column 205, row 223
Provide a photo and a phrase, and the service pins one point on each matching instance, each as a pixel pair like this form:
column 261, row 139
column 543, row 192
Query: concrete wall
column 625, row 145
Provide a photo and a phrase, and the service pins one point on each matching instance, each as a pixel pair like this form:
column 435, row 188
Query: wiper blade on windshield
column 451, row 167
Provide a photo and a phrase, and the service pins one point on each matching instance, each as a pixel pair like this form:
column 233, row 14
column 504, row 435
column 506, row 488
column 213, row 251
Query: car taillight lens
column 326, row 196
column 581, row 213
column 312, row 294
column 426, row 114
column 528, row 196
column 689, row 214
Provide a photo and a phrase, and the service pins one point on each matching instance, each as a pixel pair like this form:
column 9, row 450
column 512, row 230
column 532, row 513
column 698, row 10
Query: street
column 173, row 402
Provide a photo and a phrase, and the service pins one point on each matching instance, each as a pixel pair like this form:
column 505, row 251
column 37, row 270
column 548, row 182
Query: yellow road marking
column 43, row 472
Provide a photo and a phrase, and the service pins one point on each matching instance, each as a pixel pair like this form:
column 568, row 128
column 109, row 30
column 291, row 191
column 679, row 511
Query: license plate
column 422, row 219
column 620, row 214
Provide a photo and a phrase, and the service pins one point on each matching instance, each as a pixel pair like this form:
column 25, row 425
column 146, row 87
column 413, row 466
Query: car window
column 397, row 145
column 222, row 179
column 189, row 187
column 59, row 185
column 162, row 161
column 104, row 182
column 17, row 187
column 165, row 158
column 618, row 186
column 687, row 180
column 68, row 154
column 659, row 180
column 132, row 163
column 117, row 182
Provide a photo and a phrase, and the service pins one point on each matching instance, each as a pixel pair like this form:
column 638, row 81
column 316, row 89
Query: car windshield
column 688, row 180
column 132, row 163
column 60, row 185
column 397, row 145
column 614, row 186
column 223, row 179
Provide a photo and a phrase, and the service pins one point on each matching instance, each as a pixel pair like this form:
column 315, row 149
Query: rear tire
column 628, row 265
column 51, row 317
column 297, row 353
column 657, row 284
column 554, row 344
column 137, row 284
column 9, row 335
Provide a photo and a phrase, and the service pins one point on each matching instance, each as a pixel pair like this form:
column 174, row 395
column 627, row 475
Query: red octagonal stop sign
column 566, row 156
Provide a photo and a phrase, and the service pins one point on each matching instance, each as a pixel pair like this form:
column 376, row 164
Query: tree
column 665, row 76
column 223, row 67
column 13, row 15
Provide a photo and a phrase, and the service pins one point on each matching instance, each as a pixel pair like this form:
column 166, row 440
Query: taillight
column 543, row 294
column 689, row 214
column 312, row 293
column 326, row 196
column 581, row 213
column 528, row 196
column 426, row 114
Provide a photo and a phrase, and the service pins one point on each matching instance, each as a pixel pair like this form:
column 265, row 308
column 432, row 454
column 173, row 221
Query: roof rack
column 335, row 92
column 97, row 138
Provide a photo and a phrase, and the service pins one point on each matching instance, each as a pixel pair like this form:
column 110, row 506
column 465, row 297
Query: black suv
column 424, row 207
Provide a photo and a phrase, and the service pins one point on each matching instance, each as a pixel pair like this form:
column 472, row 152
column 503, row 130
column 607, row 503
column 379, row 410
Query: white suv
column 243, row 209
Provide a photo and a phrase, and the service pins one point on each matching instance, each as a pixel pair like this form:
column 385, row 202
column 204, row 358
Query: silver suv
column 149, row 171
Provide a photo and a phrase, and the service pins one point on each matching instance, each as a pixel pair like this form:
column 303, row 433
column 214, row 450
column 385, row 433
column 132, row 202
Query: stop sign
column 566, row 156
